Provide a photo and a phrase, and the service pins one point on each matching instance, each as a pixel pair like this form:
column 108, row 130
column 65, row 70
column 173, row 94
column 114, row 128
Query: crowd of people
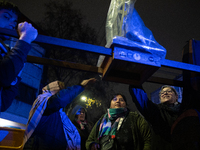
column 48, row 127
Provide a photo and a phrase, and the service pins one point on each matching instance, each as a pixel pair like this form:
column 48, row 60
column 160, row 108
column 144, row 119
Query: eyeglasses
column 168, row 92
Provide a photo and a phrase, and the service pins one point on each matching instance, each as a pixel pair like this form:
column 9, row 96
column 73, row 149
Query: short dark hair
column 9, row 6
column 167, row 86
column 114, row 95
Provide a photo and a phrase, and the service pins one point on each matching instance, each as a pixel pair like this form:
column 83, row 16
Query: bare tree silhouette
column 63, row 22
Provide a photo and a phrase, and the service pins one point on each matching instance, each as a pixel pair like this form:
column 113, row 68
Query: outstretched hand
column 84, row 83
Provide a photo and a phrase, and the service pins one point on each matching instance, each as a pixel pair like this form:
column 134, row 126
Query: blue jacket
column 49, row 133
column 10, row 66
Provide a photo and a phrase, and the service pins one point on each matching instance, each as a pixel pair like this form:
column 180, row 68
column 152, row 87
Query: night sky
column 173, row 23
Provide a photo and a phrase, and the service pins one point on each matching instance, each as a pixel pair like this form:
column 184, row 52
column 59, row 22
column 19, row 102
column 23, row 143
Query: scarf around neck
column 71, row 133
column 82, row 124
column 114, row 114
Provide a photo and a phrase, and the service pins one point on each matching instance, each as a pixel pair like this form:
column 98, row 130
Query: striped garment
column 71, row 133
column 106, row 127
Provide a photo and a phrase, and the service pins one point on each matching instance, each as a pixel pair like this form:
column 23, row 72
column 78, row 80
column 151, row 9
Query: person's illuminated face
column 117, row 102
column 167, row 95
column 8, row 20
column 81, row 114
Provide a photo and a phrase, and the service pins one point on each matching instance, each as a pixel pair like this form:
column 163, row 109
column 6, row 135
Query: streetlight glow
column 83, row 98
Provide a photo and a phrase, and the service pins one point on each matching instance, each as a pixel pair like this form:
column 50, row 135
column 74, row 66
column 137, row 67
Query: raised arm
column 12, row 63
column 65, row 96
column 147, row 108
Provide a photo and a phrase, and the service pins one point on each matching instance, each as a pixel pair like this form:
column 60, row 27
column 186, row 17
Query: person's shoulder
column 134, row 114
column 100, row 119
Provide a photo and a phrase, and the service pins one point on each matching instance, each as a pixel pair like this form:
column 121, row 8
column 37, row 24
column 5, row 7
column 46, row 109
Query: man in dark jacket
column 160, row 116
column 12, row 61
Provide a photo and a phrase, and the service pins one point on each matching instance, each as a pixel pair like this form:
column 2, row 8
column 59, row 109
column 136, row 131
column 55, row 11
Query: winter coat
column 84, row 133
column 160, row 116
column 134, row 134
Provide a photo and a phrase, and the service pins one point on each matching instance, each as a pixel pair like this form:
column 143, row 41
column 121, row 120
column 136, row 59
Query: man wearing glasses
column 160, row 116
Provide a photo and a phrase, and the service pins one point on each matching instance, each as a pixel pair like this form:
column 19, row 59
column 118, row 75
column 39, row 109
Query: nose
column 12, row 25
column 165, row 92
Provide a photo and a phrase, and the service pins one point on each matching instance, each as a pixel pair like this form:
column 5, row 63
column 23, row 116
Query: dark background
column 173, row 23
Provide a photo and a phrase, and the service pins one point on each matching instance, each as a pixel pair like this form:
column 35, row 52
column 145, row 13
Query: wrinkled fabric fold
column 71, row 133
column 125, row 26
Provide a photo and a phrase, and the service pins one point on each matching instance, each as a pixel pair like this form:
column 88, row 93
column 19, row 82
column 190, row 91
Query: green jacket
column 134, row 134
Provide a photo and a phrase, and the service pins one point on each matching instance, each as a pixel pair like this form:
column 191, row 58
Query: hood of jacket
column 75, row 110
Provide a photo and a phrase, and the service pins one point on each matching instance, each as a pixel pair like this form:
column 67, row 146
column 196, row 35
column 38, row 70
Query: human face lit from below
column 117, row 102
column 168, row 96
column 81, row 114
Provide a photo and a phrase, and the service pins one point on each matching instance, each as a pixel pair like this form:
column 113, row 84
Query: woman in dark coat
column 79, row 119
column 120, row 129
column 160, row 116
